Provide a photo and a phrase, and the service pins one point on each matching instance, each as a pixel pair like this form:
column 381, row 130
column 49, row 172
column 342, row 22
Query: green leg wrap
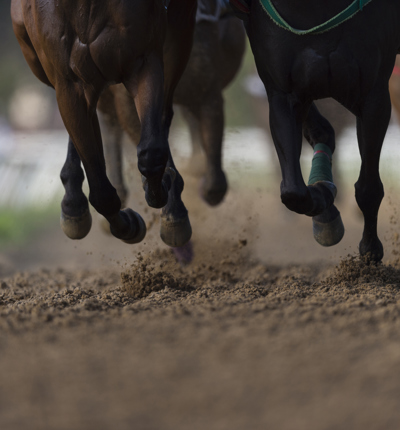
column 321, row 169
column 328, row 227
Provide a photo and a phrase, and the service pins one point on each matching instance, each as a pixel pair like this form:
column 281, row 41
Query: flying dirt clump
column 151, row 273
column 358, row 270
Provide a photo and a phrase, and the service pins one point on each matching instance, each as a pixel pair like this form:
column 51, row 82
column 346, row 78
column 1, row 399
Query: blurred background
column 33, row 146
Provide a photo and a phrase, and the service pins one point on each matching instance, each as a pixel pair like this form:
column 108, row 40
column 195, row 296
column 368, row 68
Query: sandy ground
column 265, row 330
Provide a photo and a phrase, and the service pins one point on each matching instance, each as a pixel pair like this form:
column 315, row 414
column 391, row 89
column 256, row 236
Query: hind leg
column 113, row 156
column 214, row 184
column 146, row 88
column 161, row 181
column 175, row 227
column 206, row 124
column 286, row 118
column 196, row 165
column 80, row 120
column 372, row 124
column 112, row 142
column 328, row 227
column 76, row 220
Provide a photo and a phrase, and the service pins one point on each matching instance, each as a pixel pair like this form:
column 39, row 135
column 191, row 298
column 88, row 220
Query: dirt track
column 264, row 331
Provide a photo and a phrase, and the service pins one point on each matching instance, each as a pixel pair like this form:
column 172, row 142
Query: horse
column 217, row 52
column 80, row 48
column 215, row 59
column 318, row 49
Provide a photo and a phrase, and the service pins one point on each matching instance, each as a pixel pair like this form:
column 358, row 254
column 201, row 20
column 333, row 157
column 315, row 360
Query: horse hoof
column 184, row 254
column 175, row 233
column 76, row 227
column 215, row 193
column 157, row 197
column 328, row 227
column 372, row 250
column 138, row 227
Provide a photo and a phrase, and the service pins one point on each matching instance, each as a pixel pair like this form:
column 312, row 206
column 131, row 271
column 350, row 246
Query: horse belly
column 337, row 74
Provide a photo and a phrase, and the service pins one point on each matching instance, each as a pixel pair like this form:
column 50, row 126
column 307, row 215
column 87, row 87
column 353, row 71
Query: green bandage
column 321, row 169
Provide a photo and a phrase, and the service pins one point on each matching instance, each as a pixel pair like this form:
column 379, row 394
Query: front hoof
column 138, row 227
column 328, row 227
column 175, row 233
column 76, row 227
column 156, row 193
column 373, row 250
column 155, row 198
column 213, row 192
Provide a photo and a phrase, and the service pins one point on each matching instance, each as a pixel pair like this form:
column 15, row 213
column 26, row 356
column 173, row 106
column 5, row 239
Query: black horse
column 350, row 59
column 81, row 47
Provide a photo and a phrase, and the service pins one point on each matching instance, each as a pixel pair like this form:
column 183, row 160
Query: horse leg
column 80, row 119
column 175, row 229
column 196, row 162
column 112, row 142
column 214, row 184
column 286, row 117
column 206, row 123
column 372, row 124
column 113, row 156
column 160, row 177
column 146, row 88
column 76, row 220
column 328, row 227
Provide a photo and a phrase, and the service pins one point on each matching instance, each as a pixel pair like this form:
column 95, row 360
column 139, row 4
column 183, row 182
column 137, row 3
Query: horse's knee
column 152, row 158
column 369, row 196
column 72, row 172
column 317, row 129
column 296, row 199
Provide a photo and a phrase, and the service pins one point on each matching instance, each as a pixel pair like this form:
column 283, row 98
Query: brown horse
column 350, row 61
column 80, row 47
column 218, row 47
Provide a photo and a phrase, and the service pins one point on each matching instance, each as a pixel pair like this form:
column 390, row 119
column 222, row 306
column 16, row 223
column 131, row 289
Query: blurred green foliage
column 17, row 226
